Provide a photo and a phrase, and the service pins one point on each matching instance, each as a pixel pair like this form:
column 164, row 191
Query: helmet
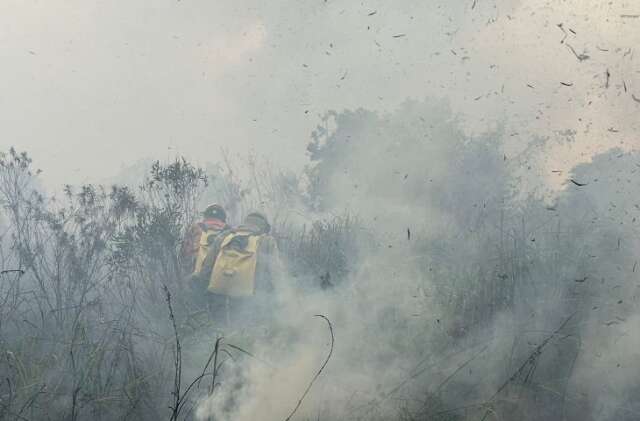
column 257, row 222
column 215, row 211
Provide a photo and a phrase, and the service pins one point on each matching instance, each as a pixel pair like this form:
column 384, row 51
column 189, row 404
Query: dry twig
column 319, row 371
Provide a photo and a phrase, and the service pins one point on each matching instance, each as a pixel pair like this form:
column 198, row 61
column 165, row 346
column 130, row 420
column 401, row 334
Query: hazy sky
column 89, row 86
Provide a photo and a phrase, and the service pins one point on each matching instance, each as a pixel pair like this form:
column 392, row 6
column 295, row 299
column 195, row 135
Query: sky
column 89, row 87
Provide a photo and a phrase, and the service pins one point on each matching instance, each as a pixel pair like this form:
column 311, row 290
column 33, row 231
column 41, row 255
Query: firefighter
column 248, row 271
column 199, row 247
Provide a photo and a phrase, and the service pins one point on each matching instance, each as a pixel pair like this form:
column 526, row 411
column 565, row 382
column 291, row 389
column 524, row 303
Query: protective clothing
column 211, row 229
column 234, row 271
column 214, row 219
column 215, row 211
column 248, row 261
column 257, row 223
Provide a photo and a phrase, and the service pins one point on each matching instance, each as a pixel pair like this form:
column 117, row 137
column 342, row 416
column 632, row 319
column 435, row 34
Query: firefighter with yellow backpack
column 248, row 260
column 199, row 246
column 247, row 272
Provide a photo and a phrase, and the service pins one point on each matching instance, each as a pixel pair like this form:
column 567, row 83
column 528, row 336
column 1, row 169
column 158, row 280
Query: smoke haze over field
column 452, row 184
column 98, row 85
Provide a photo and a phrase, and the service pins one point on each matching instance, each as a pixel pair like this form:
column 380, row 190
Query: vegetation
column 432, row 244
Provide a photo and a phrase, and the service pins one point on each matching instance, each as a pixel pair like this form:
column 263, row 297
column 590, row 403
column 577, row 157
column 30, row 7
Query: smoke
column 461, row 285
column 113, row 67
column 472, row 187
column 454, row 286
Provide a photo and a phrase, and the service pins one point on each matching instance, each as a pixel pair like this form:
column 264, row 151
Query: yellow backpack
column 234, row 271
column 203, row 249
